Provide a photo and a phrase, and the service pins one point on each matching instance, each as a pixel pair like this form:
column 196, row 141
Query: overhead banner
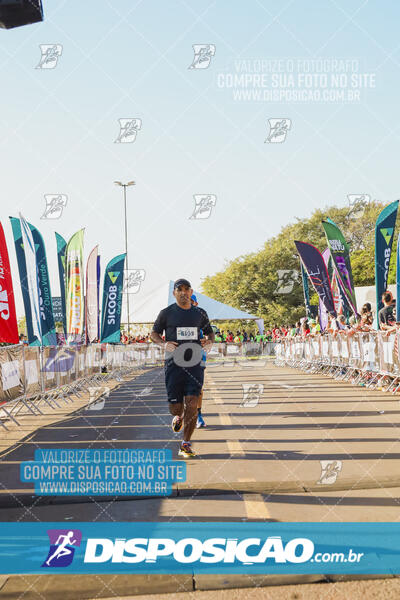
column 8, row 316
column 314, row 264
column 112, row 300
column 384, row 232
column 339, row 251
column 46, row 304
column 92, row 297
column 74, row 286
column 306, row 290
column 61, row 247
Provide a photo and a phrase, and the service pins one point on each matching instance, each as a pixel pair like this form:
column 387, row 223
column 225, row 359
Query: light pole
column 125, row 185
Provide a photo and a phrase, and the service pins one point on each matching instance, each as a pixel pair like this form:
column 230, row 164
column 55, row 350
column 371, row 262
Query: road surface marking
column 214, row 392
column 254, row 504
column 234, row 447
column 225, row 419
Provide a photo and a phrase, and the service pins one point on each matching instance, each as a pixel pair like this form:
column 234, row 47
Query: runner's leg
column 200, row 400
column 189, row 416
column 175, row 393
column 176, row 409
column 200, row 421
column 194, row 381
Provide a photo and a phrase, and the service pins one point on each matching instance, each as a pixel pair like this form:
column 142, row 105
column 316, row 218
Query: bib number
column 186, row 333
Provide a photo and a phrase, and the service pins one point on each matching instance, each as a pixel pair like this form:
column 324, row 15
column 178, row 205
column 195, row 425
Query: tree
column 22, row 326
column 251, row 283
column 59, row 326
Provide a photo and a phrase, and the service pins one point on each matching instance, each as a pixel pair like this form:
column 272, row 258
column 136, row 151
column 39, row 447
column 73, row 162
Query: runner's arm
column 158, row 327
column 208, row 332
column 157, row 339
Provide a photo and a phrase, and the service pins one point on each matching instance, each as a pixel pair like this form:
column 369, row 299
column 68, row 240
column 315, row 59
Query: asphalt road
column 261, row 456
column 279, row 445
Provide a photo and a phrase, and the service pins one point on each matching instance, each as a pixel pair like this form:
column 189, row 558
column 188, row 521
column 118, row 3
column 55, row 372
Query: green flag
column 340, row 254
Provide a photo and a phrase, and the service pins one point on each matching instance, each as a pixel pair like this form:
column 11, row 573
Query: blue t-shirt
column 204, row 355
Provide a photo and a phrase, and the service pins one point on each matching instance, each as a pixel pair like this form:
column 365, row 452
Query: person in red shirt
column 284, row 331
column 304, row 328
column 276, row 332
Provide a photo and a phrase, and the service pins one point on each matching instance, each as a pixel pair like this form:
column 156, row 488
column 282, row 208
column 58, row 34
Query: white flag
column 92, row 298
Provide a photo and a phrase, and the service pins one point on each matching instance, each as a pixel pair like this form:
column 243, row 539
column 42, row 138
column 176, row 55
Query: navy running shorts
column 181, row 382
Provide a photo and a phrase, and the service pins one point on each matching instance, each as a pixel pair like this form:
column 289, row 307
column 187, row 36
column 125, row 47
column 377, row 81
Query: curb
column 210, row 489
column 271, row 487
column 86, row 587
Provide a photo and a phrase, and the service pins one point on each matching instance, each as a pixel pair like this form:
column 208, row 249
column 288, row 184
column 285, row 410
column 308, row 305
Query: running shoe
column 185, row 450
column 200, row 422
column 177, row 424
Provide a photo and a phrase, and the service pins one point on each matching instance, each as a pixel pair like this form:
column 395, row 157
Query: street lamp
column 125, row 185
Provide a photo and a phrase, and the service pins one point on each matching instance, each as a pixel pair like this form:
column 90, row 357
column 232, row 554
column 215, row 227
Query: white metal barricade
column 363, row 358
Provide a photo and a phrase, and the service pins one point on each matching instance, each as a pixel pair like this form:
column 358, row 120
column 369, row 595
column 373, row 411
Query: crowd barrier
column 369, row 359
column 245, row 349
column 32, row 375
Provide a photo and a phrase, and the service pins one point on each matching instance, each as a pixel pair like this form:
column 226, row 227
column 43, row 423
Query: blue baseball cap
column 193, row 297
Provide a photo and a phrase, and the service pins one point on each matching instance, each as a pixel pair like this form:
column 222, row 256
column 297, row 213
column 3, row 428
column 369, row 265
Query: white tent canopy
column 215, row 310
column 367, row 293
column 145, row 309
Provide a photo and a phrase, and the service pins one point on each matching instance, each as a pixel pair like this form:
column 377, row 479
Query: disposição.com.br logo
column 62, row 547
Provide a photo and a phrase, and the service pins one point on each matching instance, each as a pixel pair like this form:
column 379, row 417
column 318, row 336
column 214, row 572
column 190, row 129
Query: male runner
column 184, row 368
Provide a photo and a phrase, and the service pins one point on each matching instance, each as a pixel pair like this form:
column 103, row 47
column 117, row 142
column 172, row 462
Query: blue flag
column 33, row 339
column 112, row 300
column 315, row 266
column 46, row 302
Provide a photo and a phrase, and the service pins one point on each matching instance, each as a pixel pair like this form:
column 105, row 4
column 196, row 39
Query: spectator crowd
column 340, row 325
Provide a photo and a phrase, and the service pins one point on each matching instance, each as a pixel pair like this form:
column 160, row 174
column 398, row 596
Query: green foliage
column 22, row 326
column 59, row 326
column 250, row 282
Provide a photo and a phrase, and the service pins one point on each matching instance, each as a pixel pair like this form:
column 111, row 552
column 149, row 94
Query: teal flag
column 61, row 245
column 23, row 278
column 384, row 233
column 112, row 300
column 46, row 301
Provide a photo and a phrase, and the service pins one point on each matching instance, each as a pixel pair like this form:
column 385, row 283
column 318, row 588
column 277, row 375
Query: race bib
column 186, row 333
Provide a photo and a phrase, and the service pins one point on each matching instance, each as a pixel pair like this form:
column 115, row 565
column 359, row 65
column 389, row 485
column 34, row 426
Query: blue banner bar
column 288, row 548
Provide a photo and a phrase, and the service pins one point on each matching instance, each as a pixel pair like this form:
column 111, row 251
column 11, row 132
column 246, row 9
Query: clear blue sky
column 130, row 59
